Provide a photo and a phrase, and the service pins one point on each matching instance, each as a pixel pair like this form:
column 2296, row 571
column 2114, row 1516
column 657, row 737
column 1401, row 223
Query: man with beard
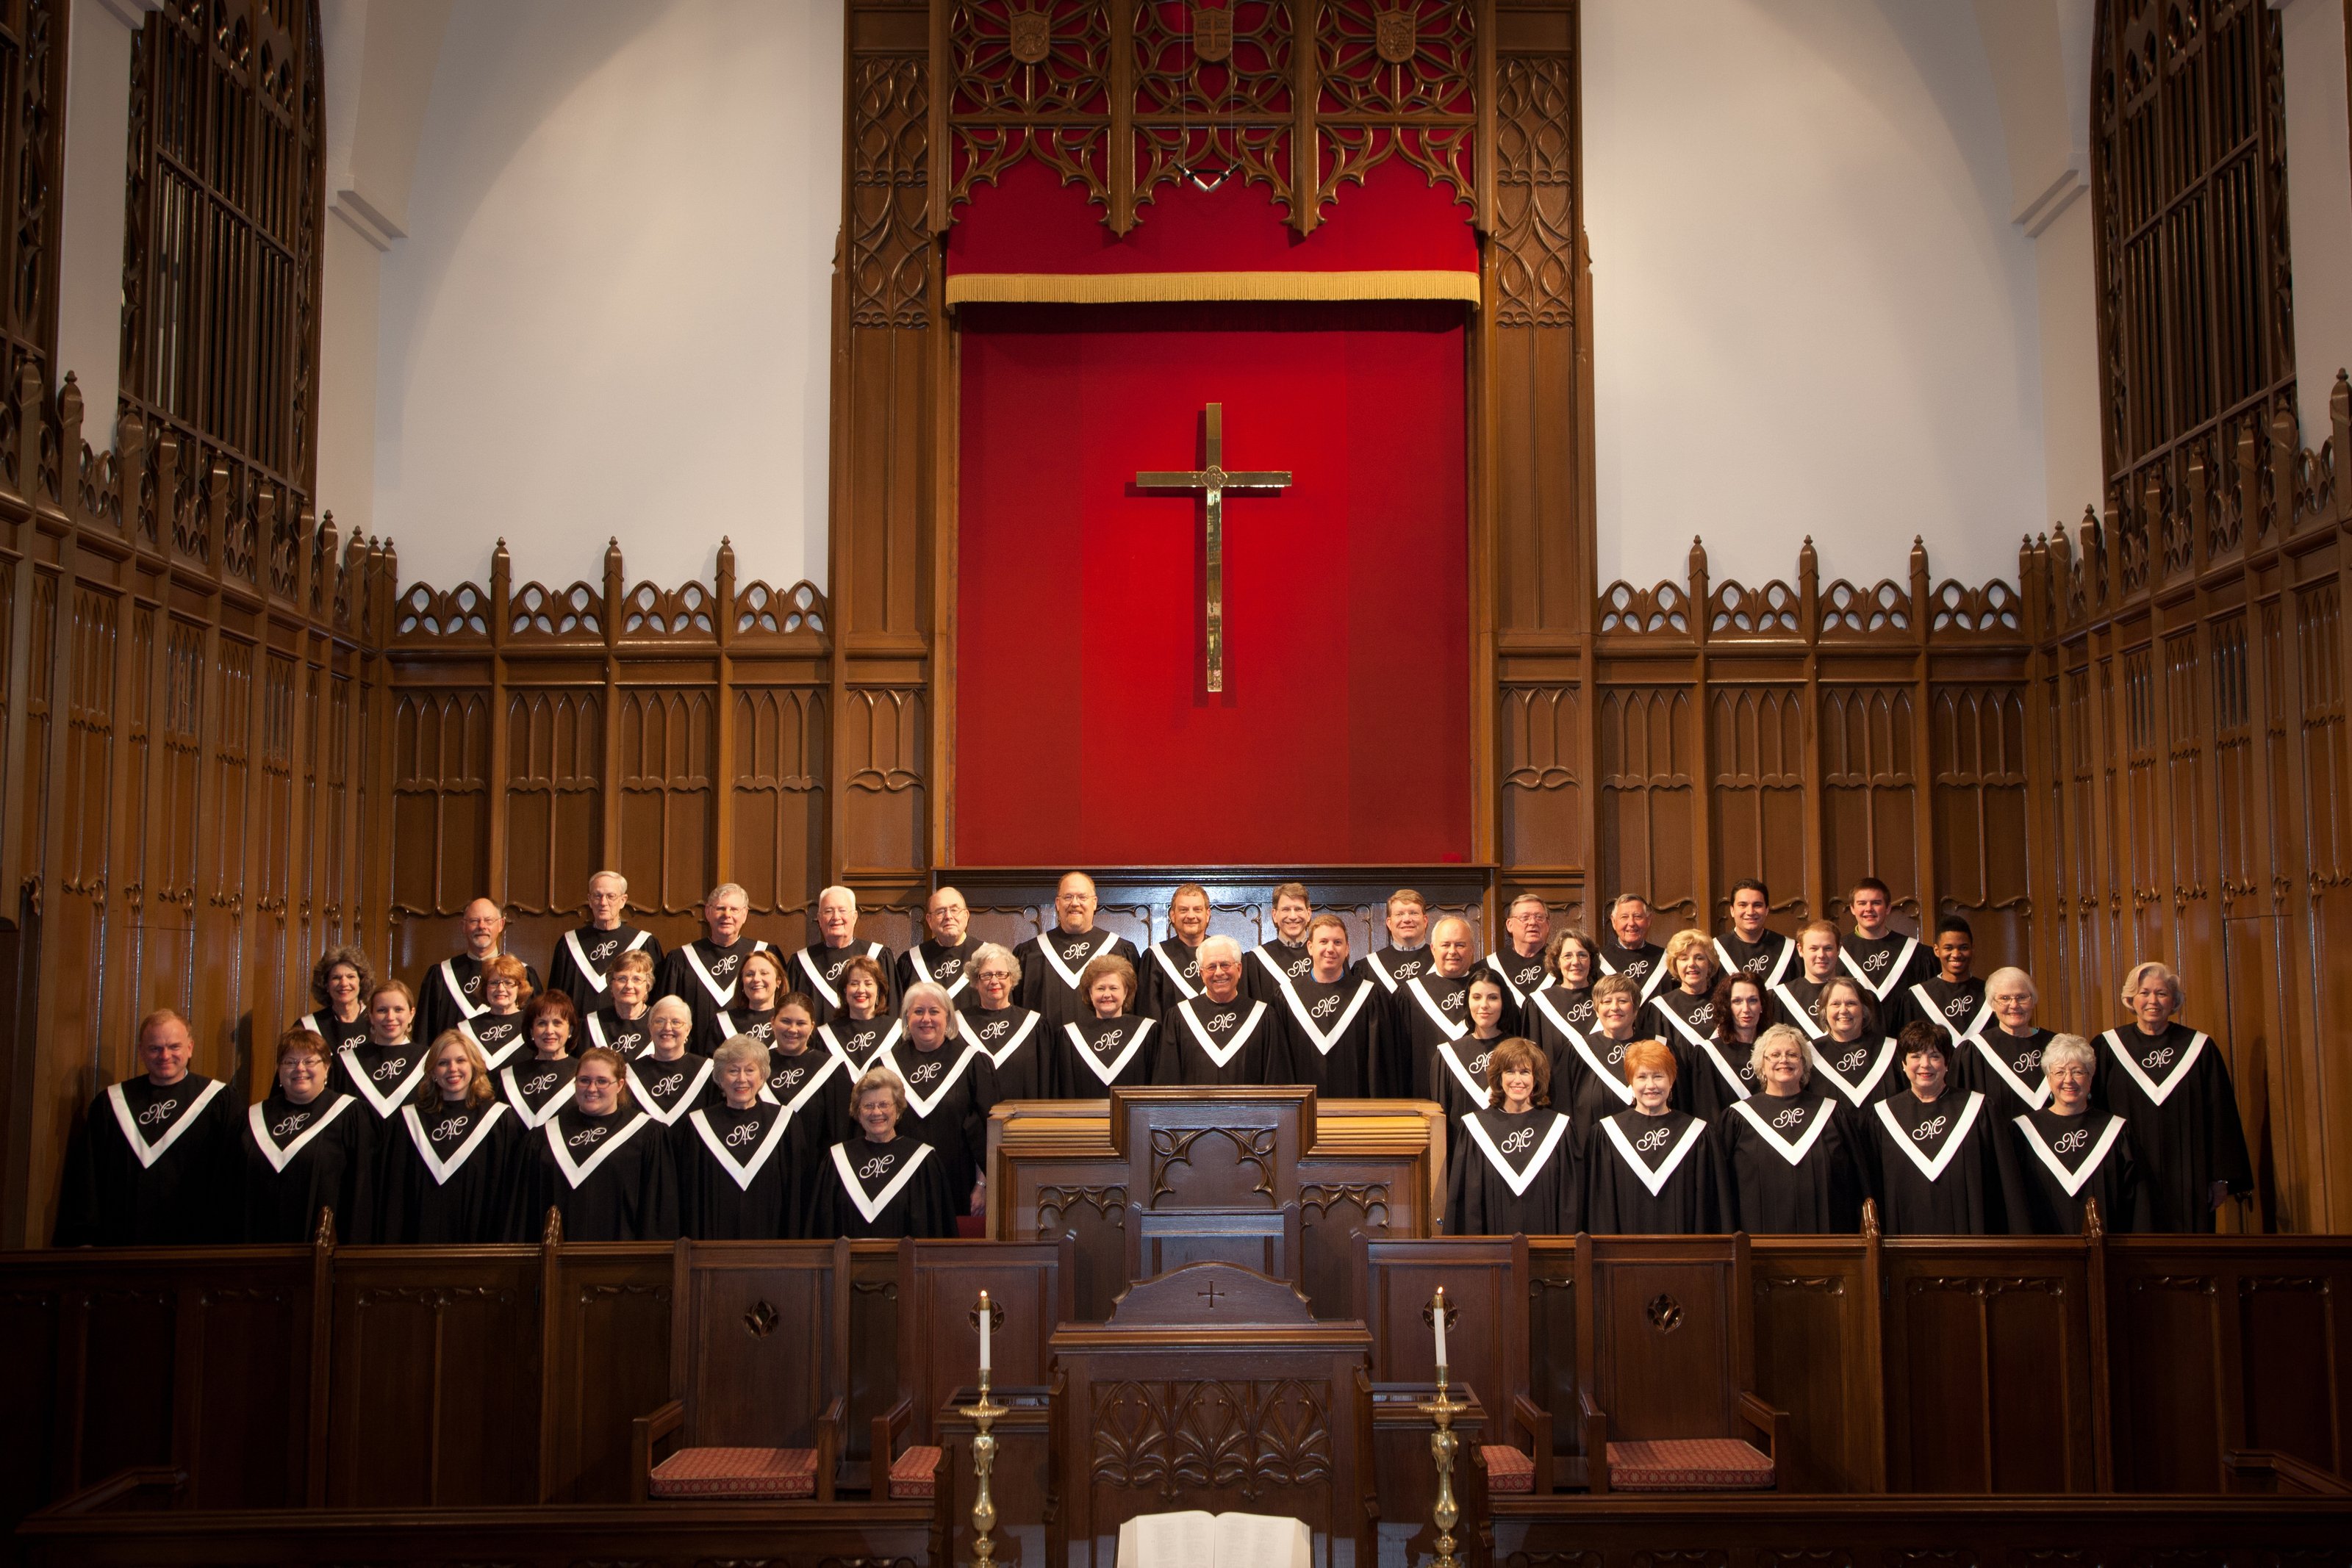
column 453, row 987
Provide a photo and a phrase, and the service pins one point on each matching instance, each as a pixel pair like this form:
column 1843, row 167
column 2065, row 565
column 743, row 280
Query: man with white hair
column 944, row 955
column 1052, row 962
column 452, row 991
column 1434, row 1006
column 706, row 970
column 583, row 958
column 1518, row 962
column 1221, row 1036
column 1626, row 948
column 816, row 969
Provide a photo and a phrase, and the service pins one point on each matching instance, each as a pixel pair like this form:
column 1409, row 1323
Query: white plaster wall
column 1812, row 313
column 611, row 312
column 2318, row 204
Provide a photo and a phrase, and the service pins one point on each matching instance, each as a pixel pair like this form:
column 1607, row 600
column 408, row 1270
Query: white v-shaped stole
column 1814, row 1029
column 1428, row 1004
column 924, row 1105
column 748, row 1171
column 1046, row 945
column 588, row 971
column 2074, row 1180
column 1518, row 996
column 1934, row 1169
column 1323, row 1041
column 1707, row 1048
column 527, row 1117
column 1654, row 1180
column 1470, row 1086
column 830, row 1061
column 385, row 1104
column 466, row 1009
column 720, row 997
column 1256, row 1016
column 2037, row 1098
column 1550, row 1010
column 816, row 975
column 1175, row 974
column 1793, row 1153
column 1657, row 973
column 576, row 1172
column 442, row 1171
column 651, row 1107
column 1087, row 1052
column 1780, row 965
column 2130, row 1063
column 150, row 1153
column 1600, row 1069
column 1859, row 1093
column 1002, row 1057
column 1518, row 1181
column 923, row 970
column 280, row 1159
column 1893, row 970
column 871, row 1209
column 1928, row 1008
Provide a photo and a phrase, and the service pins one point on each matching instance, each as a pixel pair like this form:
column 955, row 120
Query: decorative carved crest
column 1395, row 35
column 1031, row 36
column 1213, row 35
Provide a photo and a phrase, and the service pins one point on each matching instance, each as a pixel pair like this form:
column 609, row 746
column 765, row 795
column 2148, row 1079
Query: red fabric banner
column 1085, row 733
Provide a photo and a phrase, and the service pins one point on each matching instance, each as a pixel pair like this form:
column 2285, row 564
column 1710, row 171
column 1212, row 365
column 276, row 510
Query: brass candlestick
column 1443, row 1446
column 983, row 1459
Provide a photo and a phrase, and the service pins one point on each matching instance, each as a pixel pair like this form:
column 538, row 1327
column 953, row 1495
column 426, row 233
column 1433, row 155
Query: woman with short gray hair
column 1794, row 1149
column 2003, row 1059
column 2070, row 1152
column 2170, row 1083
column 739, row 1175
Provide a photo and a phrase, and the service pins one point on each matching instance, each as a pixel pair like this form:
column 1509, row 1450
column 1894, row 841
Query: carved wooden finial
column 325, row 1237
column 2093, row 1226
column 1698, row 556
column 612, row 554
column 552, row 1235
column 1918, row 554
column 1870, row 1219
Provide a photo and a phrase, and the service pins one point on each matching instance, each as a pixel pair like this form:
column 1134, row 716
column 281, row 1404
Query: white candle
column 1438, row 1317
column 983, row 1330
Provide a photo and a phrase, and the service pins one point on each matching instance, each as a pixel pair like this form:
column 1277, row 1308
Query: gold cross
column 1214, row 480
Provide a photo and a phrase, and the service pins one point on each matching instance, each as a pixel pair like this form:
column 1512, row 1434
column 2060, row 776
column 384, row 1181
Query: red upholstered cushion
column 1508, row 1469
column 911, row 1472
column 737, row 1472
column 1688, row 1464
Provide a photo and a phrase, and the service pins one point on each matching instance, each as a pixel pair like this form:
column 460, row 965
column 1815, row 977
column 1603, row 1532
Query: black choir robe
column 1770, row 961
column 1558, row 1016
column 1092, row 1056
column 858, row 1040
column 2174, row 1089
column 535, row 1090
column 452, row 993
column 1887, row 966
column 945, row 1108
column 1937, row 1166
column 887, row 1190
column 704, row 974
column 1272, row 965
column 1796, row 1002
column 452, row 1176
column 1522, row 978
column 607, row 1027
column 1959, row 1010
column 1020, row 1051
column 299, row 1159
column 154, row 1165
column 813, row 1086
column 815, row 972
column 947, row 967
column 584, row 956
column 1431, row 1009
column 1050, row 965
column 758, row 1023
column 1655, row 1176
column 1212, row 1044
column 1458, row 1079
column 1591, row 1082
column 2007, row 1068
column 1796, row 1161
column 1859, row 1070
column 1645, row 965
column 2060, row 1163
column 1170, row 973
column 499, row 1037
column 1513, row 1175
column 336, row 1033
column 666, row 1091
column 1711, row 1076
column 613, row 1178
column 1392, row 966
column 736, row 1178
column 385, row 1077
column 1334, row 1037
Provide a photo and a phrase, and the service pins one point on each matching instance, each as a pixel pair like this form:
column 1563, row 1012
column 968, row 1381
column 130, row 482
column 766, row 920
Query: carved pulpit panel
column 1225, row 1149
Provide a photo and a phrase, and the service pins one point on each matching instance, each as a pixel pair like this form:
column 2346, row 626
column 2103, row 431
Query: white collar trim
column 1323, row 1041
column 1780, row 965
column 448, row 968
column 1895, row 970
column 748, row 1171
column 1654, row 1180
column 1928, row 1009
column 1804, row 1020
column 2037, row 1098
column 923, row 970
column 521, row 1107
column 686, row 1096
column 1052, row 952
column 1086, row 1052
column 870, row 1210
column 280, row 1158
column 833, row 1043
column 1934, row 1169
column 596, row 979
column 2158, row 1092
column 576, row 1172
column 830, row 1061
column 150, row 1153
column 1707, row 1048
column 385, row 1104
column 1518, row 1181
column 719, row 995
column 924, row 1106
column 1455, row 1064
column 2074, row 1180
column 1623, row 1091
column 1175, row 975
column 1421, row 994
column 1793, row 1153
column 1001, row 1057
column 1249, row 1020
column 442, row 1171
column 1859, row 1093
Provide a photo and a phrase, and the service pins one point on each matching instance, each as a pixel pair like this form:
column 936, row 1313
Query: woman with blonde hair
column 453, row 1161
column 1794, row 1152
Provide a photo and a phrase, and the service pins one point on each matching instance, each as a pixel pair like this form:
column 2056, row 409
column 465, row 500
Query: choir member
column 736, row 1178
column 453, row 987
column 2069, row 1152
column 758, row 984
column 452, row 1170
column 1406, row 953
column 339, row 983
column 1796, row 1000
column 1626, row 948
column 308, row 1146
column 666, row 1079
column 1684, row 1014
column 1854, row 1057
column 2004, row 1059
column 1749, row 945
column 497, row 1030
column 1796, row 1161
column 1520, row 960
column 1334, row 1031
column 880, row 1182
column 601, row 1162
column 1054, row 965
column 1723, row 1065
column 2170, row 1084
column 707, row 970
column 1938, row 1160
column 1562, row 1013
column 1881, row 958
column 864, row 1025
column 1459, row 1079
column 154, row 1162
column 816, row 970
column 1592, row 1078
column 1954, row 995
column 1432, row 1008
column 1112, row 1048
column 1281, row 958
column 625, row 1023
column 1514, row 1167
column 939, row 1070
column 944, row 955
column 1171, row 966
column 537, row 1089
column 1652, row 1170
column 1223, row 1036
column 1020, row 1051
column 582, row 968
column 807, row 1081
column 385, row 1071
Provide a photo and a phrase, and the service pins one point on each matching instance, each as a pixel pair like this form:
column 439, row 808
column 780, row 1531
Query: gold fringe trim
column 1139, row 287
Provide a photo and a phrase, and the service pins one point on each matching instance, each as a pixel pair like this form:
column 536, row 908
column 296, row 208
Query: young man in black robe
column 2170, row 1084
column 1334, row 1030
column 1794, row 1153
column 1170, row 973
column 453, row 1162
column 1405, row 952
column 1221, row 1037
column 944, row 955
column 1513, row 1164
column 816, row 969
column 881, row 1183
column 156, row 1162
column 707, row 970
column 1880, row 957
column 1796, row 1000
column 1051, row 963
column 1653, row 1170
column 737, row 1180
column 583, row 956
column 452, row 992
column 1432, row 1008
column 1281, row 958
column 2070, row 1153
column 308, row 1147
column 602, row 1164
column 1518, row 961
column 1626, row 948
column 1937, row 1157
column 1953, row 997
column 1747, row 945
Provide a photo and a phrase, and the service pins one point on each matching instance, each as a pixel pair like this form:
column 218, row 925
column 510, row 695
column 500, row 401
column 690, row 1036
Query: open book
column 1199, row 1539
